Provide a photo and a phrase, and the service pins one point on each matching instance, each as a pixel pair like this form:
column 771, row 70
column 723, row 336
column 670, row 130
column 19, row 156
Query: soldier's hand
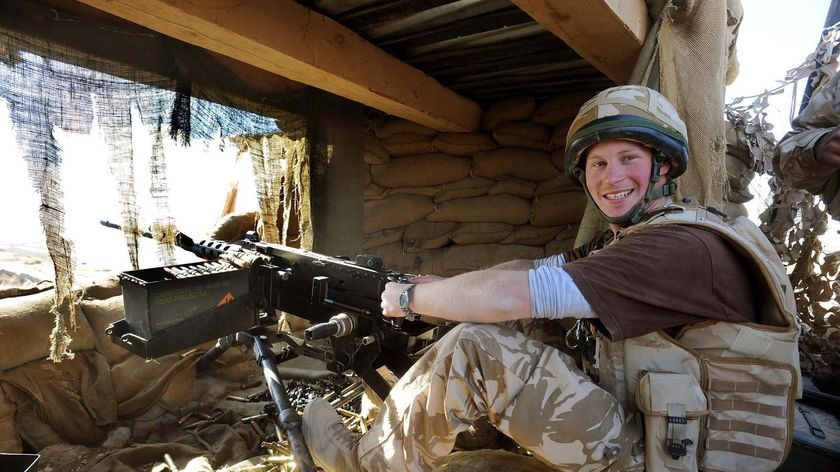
column 391, row 299
column 827, row 149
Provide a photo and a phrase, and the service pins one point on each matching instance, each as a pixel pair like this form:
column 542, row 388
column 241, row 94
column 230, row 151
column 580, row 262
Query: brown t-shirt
column 663, row 277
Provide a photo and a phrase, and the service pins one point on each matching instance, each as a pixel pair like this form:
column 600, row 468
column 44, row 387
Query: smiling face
column 617, row 175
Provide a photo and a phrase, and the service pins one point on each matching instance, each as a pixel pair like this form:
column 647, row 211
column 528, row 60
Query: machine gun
column 236, row 293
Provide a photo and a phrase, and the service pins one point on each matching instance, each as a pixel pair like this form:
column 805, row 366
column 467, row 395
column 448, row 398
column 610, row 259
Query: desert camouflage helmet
column 630, row 112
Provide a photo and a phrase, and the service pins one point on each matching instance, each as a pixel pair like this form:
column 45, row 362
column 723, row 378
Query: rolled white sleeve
column 555, row 295
column 556, row 260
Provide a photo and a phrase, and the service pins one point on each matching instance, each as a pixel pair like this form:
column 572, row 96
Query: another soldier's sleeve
column 795, row 161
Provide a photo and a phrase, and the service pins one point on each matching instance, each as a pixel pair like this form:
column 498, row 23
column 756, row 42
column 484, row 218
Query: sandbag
column 101, row 313
column 481, row 233
column 504, row 111
column 526, row 164
column 469, row 187
column 139, row 384
column 233, row 226
column 560, row 108
column 524, row 135
column 561, row 183
column 25, row 327
column 394, row 258
column 532, row 235
column 374, row 192
column 558, row 159
column 420, row 171
column 395, row 210
column 564, row 241
column 558, row 135
column 408, row 144
column 429, row 191
column 463, row 144
column 103, row 288
column 9, row 438
column 374, row 152
column 454, row 260
column 558, row 209
column 424, row 235
column 381, row 238
column 486, row 209
column 73, row 400
column 392, row 125
column 514, row 186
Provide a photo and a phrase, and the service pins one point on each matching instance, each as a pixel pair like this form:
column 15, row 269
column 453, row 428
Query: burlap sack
column 101, row 313
column 424, row 235
column 486, row 209
column 408, row 144
column 513, row 186
column 25, row 327
column 394, row 211
column 463, row 144
column 533, row 235
column 394, row 258
column 429, row 191
column 68, row 402
column 524, row 135
column 512, row 109
column 381, row 238
column 560, row 108
column 392, row 125
column 233, row 226
column 454, row 260
column 526, row 164
column 561, row 183
column 558, row 209
column 374, row 152
column 104, row 288
column 374, row 192
column 139, row 384
column 9, row 438
column 558, row 159
column 564, row 241
column 469, row 187
column 481, row 233
column 558, row 135
column 421, row 171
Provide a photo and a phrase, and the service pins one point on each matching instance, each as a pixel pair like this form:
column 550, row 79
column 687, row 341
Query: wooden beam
column 293, row 41
column 607, row 33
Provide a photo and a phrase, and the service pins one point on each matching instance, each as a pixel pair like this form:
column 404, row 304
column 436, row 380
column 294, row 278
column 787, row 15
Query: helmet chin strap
column 634, row 215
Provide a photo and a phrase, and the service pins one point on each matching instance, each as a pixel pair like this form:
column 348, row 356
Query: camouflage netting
column 48, row 88
column 794, row 220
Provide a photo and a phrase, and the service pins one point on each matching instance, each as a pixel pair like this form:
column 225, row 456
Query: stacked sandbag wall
column 447, row 203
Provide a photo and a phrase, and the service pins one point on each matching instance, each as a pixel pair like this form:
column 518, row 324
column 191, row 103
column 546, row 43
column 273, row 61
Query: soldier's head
column 625, row 147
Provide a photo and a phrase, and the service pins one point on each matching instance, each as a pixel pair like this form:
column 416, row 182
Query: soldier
column 631, row 290
column 808, row 157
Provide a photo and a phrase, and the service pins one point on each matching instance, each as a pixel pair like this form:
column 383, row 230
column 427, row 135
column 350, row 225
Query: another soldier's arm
column 808, row 157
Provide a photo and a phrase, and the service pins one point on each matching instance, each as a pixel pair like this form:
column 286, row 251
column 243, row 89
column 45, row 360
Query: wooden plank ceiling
column 435, row 62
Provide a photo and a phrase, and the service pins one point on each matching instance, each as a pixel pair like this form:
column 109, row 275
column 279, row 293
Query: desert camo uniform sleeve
column 795, row 160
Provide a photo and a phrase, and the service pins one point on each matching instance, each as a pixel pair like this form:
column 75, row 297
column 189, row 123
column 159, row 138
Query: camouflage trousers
column 530, row 391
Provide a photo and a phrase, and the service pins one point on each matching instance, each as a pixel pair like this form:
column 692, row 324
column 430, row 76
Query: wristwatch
column 405, row 298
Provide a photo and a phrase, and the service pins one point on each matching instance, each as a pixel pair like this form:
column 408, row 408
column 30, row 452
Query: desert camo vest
column 717, row 396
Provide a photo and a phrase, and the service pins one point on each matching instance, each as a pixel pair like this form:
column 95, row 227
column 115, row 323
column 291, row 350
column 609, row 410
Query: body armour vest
column 718, row 395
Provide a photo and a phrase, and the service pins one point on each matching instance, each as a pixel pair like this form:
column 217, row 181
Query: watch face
column 404, row 299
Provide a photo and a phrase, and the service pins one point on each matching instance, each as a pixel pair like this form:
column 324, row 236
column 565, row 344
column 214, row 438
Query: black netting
column 48, row 87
